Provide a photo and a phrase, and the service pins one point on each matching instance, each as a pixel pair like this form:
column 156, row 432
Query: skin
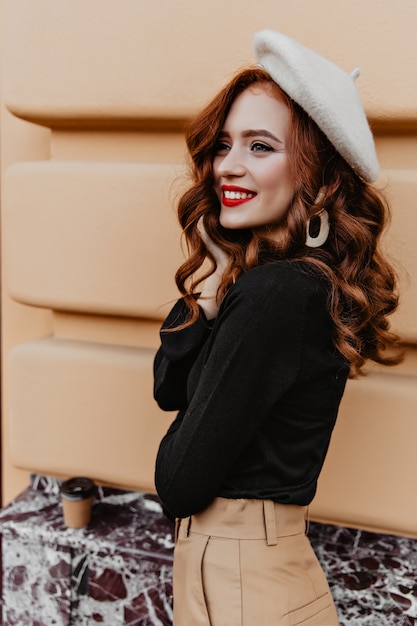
column 251, row 174
column 251, row 168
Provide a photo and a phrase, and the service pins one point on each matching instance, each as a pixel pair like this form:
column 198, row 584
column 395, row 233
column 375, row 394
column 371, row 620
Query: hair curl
column 362, row 282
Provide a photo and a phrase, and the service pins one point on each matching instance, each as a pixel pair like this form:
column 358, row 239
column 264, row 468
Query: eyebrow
column 260, row 132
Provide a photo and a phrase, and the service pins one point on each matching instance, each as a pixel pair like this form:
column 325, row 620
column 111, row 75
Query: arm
column 179, row 349
column 254, row 359
column 208, row 299
column 176, row 356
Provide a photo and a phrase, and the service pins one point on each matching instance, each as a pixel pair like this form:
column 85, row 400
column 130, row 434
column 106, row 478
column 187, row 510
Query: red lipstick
column 233, row 195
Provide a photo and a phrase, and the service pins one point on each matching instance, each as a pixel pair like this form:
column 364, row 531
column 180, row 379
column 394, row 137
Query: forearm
column 175, row 357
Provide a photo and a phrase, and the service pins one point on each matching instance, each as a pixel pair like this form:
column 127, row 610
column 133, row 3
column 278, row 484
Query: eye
column 259, row 146
column 222, row 147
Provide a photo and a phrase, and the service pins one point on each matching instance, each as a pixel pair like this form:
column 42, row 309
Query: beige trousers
column 248, row 563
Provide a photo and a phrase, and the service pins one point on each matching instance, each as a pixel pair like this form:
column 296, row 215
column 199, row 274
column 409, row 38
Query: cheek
column 285, row 182
column 274, row 179
column 277, row 185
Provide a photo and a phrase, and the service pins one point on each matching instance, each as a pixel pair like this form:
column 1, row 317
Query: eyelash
column 256, row 146
column 264, row 147
column 222, row 146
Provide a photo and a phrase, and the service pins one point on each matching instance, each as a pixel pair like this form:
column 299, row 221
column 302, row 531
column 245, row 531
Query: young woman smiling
column 295, row 299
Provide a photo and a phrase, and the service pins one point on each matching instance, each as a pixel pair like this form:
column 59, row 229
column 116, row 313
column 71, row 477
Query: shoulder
column 283, row 297
column 283, row 279
column 285, row 290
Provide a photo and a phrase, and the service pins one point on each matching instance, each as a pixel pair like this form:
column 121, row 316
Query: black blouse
column 257, row 390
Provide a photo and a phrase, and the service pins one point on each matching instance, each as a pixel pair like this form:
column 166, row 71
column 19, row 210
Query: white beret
column 326, row 92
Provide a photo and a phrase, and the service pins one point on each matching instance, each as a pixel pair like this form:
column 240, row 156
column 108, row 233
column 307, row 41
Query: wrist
column 209, row 305
column 207, row 299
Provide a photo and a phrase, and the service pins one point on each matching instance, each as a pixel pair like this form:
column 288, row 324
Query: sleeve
column 254, row 359
column 176, row 356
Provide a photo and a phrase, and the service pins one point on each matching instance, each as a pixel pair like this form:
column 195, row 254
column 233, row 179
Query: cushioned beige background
column 94, row 97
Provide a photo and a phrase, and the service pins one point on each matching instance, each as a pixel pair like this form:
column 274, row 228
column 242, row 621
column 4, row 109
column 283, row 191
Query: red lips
column 233, row 195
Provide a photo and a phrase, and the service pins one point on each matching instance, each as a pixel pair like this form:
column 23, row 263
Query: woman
column 295, row 297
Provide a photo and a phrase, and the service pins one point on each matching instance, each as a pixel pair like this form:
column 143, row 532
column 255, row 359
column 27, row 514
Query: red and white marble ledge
column 118, row 570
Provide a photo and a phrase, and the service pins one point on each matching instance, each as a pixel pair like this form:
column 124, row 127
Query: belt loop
column 179, row 527
column 270, row 523
column 307, row 530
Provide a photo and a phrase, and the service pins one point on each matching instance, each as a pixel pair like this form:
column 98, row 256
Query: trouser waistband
column 246, row 519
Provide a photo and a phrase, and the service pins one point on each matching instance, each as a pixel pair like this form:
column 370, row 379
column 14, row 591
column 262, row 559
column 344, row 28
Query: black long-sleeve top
column 257, row 390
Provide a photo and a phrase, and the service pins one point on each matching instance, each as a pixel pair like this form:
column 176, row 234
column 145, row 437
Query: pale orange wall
column 94, row 98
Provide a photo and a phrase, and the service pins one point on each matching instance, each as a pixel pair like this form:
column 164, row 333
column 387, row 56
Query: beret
column 326, row 92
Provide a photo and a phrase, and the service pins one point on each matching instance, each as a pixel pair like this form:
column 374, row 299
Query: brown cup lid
column 78, row 488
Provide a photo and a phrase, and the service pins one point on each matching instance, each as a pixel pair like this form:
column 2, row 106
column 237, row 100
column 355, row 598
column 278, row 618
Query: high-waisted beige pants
column 248, row 563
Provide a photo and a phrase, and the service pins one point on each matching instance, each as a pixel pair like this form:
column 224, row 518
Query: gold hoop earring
column 321, row 238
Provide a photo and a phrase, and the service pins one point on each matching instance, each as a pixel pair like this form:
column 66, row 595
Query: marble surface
column 118, row 570
column 373, row 576
column 115, row 571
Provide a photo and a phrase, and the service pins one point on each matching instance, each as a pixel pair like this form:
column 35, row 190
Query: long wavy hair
column 362, row 282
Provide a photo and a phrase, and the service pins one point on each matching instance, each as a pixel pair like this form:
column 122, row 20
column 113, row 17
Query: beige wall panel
column 91, row 237
column 72, row 61
column 401, row 242
column 368, row 476
column 397, row 151
column 123, row 331
column 100, row 241
column 124, row 146
column 19, row 140
column 86, row 410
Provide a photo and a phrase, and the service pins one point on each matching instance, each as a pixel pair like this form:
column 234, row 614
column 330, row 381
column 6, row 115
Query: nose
column 231, row 164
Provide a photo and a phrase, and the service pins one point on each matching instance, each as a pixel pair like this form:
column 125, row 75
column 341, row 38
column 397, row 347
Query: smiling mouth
column 233, row 197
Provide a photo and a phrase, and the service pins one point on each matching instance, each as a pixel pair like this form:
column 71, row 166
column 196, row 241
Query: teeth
column 237, row 195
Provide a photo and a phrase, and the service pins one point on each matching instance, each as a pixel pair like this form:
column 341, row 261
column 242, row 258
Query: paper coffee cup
column 77, row 495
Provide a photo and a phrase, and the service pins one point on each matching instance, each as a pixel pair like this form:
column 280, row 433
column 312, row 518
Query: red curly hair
column 362, row 282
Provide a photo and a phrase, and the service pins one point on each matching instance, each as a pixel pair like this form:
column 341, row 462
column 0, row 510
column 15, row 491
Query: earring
column 320, row 239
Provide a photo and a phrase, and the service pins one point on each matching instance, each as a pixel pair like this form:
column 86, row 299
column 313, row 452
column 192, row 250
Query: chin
column 234, row 225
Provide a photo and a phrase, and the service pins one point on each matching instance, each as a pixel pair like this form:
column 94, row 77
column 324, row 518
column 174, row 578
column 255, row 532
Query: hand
column 208, row 298
column 219, row 255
